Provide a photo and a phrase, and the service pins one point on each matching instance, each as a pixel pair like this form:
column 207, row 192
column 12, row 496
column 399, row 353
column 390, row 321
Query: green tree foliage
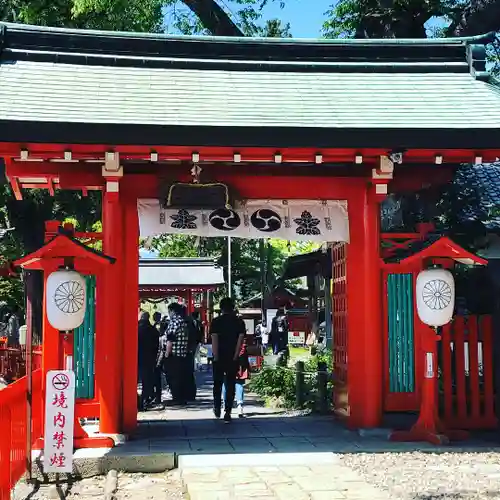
column 410, row 18
column 415, row 19
column 246, row 260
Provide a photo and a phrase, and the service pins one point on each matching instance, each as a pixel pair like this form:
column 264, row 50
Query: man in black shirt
column 228, row 333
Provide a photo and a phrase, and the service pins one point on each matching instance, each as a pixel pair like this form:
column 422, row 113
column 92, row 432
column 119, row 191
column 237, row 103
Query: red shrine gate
column 190, row 279
column 346, row 121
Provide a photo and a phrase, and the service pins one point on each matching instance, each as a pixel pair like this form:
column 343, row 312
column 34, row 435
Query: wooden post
column 130, row 301
column 299, row 384
column 364, row 309
column 322, row 387
column 110, row 296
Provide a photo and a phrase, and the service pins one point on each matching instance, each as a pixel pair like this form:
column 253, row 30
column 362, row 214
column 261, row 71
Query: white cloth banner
column 294, row 220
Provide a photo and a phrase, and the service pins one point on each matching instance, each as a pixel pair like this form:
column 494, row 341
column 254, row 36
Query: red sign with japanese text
column 59, row 421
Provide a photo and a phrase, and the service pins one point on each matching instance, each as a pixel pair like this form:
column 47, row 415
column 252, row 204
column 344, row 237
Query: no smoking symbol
column 60, row 381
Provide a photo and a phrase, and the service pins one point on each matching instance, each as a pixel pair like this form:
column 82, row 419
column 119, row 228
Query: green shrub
column 277, row 384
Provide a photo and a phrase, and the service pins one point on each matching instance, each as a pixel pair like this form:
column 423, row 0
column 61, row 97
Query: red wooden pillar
column 130, row 301
column 51, row 350
column 364, row 308
column 190, row 301
column 111, row 298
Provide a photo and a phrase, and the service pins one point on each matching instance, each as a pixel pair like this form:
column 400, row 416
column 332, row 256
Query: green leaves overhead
column 246, row 260
column 411, row 18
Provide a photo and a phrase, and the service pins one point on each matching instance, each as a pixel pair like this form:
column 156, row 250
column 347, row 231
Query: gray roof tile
column 486, row 181
column 106, row 94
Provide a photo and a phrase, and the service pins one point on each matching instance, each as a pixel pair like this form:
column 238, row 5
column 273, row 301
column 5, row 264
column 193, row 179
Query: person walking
column 262, row 333
column 157, row 320
column 174, row 355
column 194, row 339
column 242, row 376
column 279, row 332
column 148, row 350
column 157, row 374
column 198, row 340
column 228, row 333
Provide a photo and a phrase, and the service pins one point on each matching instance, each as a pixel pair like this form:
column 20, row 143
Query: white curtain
column 294, row 220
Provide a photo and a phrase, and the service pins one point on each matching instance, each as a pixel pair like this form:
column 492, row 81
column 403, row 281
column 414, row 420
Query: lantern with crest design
column 435, row 289
column 66, row 299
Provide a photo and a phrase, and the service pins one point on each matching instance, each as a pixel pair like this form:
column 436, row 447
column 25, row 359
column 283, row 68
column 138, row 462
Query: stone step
column 256, row 459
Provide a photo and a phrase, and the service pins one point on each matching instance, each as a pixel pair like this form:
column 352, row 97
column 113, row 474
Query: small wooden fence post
column 322, row 387
column 299, row 384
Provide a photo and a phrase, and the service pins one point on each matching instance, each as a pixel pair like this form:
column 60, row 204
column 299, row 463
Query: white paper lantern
column 66, row 299
column 435, row 291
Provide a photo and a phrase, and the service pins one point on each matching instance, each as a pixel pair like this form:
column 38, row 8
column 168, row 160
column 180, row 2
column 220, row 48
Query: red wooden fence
column 13, row 361
column 466, row 374
column 340, row 334
column 13, row 423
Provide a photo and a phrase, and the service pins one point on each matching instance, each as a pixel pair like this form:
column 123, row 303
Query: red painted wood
column 396, row 236
column 89, row 151
column 340, row 332
column 407, row 401
column 474, row 389
column 47, row 150
column 86, row 408
column 446, row 372
column 388, row 405
column 14, row 424
column 486, row 329
column 130, row 303
column 110, row 397
column 459, row 341
column 421, row 330
column 481, row 397
column 364, row 301
column 260, row 187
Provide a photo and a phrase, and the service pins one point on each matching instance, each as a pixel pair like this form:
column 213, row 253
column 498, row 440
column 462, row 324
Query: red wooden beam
column 370, row 155
column 260, row 187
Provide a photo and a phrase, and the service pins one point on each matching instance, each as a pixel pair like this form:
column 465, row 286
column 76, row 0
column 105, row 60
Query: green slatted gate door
column 84, row 343
column 400, row 344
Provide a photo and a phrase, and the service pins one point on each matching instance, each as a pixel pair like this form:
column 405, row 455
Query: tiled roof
column 179, row 271
column 78, row 77
column 51, row 91
column 486, row 179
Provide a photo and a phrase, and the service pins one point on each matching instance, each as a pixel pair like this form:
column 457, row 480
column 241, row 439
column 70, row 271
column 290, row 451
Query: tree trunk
column 213, row 17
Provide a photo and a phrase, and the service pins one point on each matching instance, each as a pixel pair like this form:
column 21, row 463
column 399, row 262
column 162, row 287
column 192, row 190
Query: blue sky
column 305, row 16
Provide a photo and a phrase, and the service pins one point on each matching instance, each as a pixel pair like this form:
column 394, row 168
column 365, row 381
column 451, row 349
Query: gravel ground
column 431, row 476
column 165, row 486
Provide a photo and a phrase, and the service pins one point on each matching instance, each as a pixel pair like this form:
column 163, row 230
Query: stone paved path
column 193, row 430
column 306, row 482
column 165, row 486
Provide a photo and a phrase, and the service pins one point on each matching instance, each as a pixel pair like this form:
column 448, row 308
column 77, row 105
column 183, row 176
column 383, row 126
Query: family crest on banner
column 295, row 220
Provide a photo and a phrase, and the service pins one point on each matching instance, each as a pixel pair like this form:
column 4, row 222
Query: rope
column 305, row 372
